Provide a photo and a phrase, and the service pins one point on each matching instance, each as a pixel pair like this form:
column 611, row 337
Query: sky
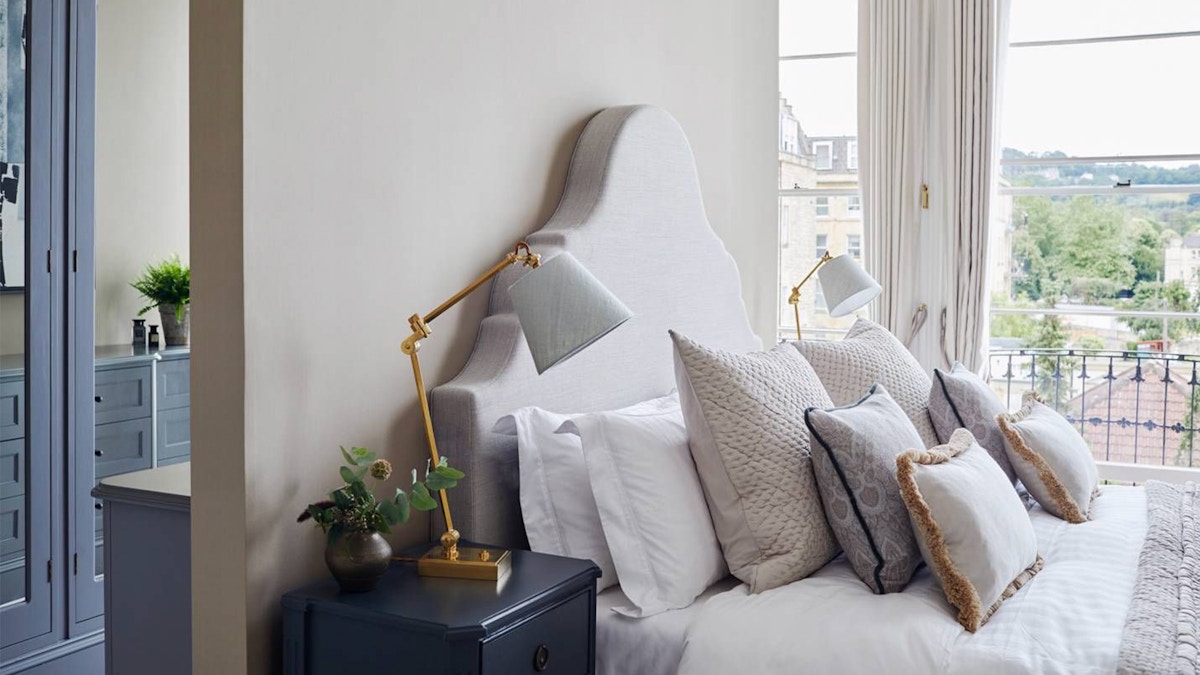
column 1124, row 98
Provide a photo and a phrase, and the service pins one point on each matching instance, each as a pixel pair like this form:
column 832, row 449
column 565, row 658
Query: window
column 783, row 226
column 854, row 204
column 1098, row 196
column 824, row 152
column 818, row 120
column 854, row 246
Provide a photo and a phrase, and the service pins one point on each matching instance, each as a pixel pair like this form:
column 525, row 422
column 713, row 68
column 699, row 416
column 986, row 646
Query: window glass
column 854, row 245
column 1097, row 218
column 824, row 153
column 818, row 152
column 1075, row 19
column 1105, row 99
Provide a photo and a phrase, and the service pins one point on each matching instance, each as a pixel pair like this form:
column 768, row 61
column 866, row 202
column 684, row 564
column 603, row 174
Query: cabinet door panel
column 122, row 447
column 123, row 394
column 12, row 408
column 30, row 365
column 174, row 384
column 174, row 434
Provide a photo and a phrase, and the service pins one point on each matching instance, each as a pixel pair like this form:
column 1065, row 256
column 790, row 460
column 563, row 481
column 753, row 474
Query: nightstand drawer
column 555, row 641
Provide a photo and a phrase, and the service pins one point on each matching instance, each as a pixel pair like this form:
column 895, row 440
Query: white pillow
column 971, row 526
column 1051, row 459
column 651, row 506
column 556, row 498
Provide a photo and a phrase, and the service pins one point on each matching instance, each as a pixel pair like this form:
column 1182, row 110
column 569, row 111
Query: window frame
column 852, row 155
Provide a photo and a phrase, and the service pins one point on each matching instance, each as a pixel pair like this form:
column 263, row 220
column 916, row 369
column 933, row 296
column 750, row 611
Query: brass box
column 468, row 565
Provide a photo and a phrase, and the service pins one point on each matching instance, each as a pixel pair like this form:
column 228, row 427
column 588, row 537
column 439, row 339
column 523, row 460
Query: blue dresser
column 541, row 618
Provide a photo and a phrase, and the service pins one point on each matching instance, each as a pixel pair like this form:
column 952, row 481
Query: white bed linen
column 648, row 646
column 1068, row 619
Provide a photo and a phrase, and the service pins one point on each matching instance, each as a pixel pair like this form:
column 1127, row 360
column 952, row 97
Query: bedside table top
column 456, row 608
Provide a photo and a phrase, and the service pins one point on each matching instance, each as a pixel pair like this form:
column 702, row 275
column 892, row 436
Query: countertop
column 165, row 487
column 106, row 355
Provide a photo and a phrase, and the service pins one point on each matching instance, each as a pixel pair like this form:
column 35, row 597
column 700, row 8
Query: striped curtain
column 970, row 38
column 929, row 94
column 893, row 55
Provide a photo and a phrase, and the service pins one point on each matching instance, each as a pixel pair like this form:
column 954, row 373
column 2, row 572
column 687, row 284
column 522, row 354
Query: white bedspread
column 1067, row 620
column 646, row 646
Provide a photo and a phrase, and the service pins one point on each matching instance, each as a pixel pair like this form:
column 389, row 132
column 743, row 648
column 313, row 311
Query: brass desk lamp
column 846, row 284
column 562, row 309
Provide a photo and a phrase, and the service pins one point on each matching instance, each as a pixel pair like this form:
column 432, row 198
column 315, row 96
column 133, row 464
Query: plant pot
column 175, row 330
column 357, row 560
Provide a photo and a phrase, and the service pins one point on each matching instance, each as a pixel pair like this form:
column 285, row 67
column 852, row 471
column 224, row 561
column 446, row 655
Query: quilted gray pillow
column 854, row 456
column 745, row 420
column 960, row 399
column 867, row 355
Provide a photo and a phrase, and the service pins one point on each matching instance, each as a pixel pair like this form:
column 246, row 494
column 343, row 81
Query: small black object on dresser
column 541, row 618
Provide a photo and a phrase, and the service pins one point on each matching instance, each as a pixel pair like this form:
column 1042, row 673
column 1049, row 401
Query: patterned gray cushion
column 960, row 399
column 745, row 420
column 854, row 456
column 869, row 354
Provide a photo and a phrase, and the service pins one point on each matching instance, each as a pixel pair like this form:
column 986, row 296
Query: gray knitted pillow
column 745, row 420
column 854, row 455
column 867, row 355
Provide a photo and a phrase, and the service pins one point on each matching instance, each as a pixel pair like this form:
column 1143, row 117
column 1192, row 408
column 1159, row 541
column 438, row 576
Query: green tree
column 1148, row 251
column 1172, row 296
column 1098, row 245
column 1051, row 335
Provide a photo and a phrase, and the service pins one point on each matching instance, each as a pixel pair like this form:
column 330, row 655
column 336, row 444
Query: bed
column 632, row 213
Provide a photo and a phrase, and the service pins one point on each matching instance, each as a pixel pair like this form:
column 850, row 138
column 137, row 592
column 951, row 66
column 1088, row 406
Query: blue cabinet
column 140, row 418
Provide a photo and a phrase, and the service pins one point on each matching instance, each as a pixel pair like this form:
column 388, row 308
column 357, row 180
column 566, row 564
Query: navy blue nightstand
column 540, row 619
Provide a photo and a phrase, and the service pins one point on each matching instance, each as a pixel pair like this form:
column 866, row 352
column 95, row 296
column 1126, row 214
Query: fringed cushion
column 970, row 525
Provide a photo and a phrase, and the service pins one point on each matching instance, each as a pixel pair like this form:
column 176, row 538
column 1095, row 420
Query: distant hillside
column 1095, row 174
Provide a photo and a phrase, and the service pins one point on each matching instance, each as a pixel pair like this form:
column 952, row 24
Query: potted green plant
column 354, row 520
column 168, row 286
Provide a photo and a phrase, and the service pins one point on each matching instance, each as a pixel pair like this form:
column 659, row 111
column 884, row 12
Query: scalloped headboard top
column 632, row 213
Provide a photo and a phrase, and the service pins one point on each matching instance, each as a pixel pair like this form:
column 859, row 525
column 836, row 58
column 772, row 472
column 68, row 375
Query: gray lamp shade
column 846, row 285
column 563, row 309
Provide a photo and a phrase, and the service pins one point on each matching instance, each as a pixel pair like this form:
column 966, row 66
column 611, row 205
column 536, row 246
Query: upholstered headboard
column 632, row 213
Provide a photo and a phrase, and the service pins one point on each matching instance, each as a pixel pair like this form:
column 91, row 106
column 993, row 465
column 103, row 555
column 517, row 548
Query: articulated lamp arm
column 794, row 298
column 412, row 344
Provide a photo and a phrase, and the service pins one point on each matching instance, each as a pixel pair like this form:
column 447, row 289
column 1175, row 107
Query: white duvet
column 1068, row 619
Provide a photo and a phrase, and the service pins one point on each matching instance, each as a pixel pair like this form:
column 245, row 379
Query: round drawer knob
column 99, row 506
column 541, row 658
column 99, row 399
column 99, row 453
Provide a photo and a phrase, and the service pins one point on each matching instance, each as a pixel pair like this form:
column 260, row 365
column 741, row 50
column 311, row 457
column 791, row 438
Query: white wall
column 141, row 151
column 391, row 152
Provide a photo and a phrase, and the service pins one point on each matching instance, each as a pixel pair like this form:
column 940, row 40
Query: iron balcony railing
column 1134, row 407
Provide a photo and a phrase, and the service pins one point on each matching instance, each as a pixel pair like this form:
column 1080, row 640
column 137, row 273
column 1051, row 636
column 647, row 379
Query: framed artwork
column 13, row 182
